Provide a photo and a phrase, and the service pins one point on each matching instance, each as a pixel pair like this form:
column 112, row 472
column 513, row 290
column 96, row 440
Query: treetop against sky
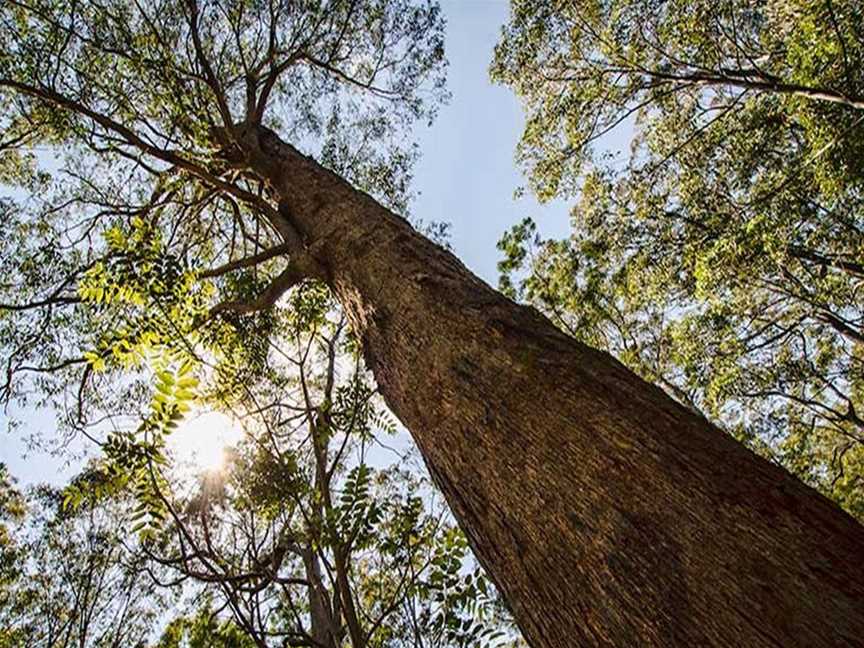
column 464, row 177
column 225, row 200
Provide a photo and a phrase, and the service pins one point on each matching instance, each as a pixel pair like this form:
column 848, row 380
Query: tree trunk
column 606, row 513
column 322, row 625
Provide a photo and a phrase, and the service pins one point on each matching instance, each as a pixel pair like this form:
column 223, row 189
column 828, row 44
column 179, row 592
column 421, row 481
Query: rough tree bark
column 606, row 513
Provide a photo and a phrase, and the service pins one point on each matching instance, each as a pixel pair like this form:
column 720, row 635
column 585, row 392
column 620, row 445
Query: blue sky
column 466, row 176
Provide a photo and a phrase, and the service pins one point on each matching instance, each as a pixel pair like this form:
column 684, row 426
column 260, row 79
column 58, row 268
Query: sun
column 200, row 441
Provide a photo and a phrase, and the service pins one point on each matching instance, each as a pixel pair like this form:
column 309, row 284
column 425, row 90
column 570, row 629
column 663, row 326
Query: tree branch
column 289, row 277
column 246, row 262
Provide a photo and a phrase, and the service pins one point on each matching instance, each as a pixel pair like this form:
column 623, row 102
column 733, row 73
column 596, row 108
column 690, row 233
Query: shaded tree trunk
column 606, row 513
column 322, row 624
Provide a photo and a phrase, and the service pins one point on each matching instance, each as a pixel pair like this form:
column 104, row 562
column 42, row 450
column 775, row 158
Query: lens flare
column 201, row 440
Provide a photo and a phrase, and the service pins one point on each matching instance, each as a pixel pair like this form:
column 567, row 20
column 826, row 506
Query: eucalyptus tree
column 724, row 261
column 603, row 511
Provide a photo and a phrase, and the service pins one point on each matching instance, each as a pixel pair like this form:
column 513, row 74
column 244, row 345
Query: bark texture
column 606, row 513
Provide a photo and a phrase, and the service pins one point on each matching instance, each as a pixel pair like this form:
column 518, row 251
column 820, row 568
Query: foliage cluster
column 723, row 259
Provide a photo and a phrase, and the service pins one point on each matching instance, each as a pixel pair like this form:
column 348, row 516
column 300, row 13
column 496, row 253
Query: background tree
column 203, row 629
column 12, row 510
column 600, row 507
column 78, row 579
column 724, row 261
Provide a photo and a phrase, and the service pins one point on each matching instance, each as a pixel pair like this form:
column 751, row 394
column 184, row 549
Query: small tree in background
column 75, row 578
column 302, row 539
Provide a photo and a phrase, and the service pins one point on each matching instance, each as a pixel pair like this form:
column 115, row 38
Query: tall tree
column 724, row 261
column 605, row 512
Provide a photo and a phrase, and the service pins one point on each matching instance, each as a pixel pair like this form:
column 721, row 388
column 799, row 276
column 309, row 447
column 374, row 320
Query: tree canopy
column 170, row 246
column 137, row 256
column 131, row 226
column 723, row 259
